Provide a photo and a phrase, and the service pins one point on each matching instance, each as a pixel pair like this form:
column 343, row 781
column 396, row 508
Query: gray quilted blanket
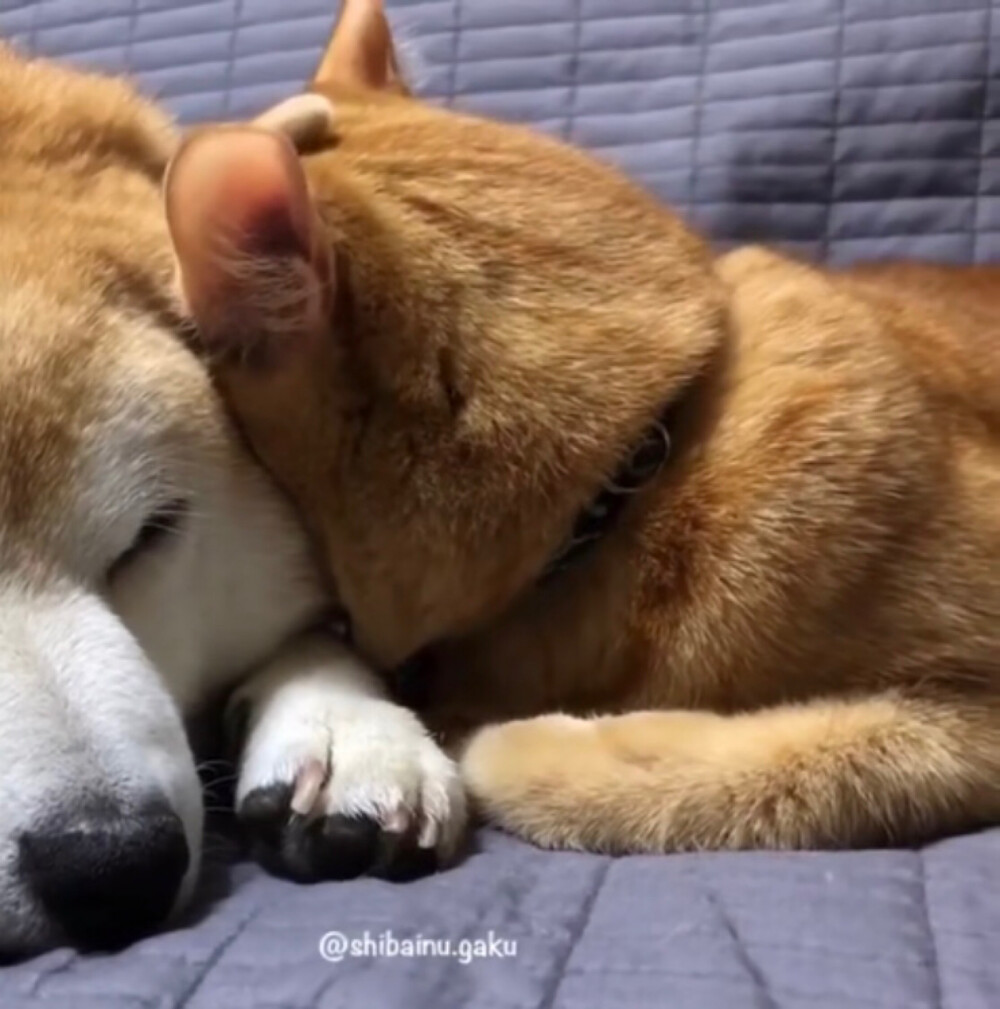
column 841, row 128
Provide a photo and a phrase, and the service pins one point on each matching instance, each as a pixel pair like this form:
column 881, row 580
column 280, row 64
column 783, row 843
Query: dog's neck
column 657, row 449
column 643, row 464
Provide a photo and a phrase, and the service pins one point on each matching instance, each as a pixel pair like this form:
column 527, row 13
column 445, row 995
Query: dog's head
column 143, row 557
column 440, row 333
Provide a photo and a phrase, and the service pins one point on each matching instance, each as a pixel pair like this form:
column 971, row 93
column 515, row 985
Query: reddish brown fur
column 817, row 572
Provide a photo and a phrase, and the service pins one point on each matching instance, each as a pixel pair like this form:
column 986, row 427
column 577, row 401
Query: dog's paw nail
column 307, row 787
column 429, row 834
column 396, row 822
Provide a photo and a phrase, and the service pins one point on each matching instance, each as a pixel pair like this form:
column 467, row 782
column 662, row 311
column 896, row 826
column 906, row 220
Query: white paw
column 335, row 780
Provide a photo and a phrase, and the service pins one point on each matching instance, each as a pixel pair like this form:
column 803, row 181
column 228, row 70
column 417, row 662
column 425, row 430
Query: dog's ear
column 308, row 120
column 252, row 265
column 360, row 53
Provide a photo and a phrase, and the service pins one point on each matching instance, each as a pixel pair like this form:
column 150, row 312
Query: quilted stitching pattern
column 843, row 128
column 839, row 128
column 885, row 930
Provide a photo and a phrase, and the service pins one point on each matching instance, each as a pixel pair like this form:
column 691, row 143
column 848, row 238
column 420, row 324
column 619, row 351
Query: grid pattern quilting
column 843, row 127
column 868, row 930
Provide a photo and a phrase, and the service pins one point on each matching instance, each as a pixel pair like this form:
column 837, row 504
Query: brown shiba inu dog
column 737, row 519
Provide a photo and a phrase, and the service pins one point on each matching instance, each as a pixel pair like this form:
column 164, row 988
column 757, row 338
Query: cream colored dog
column 146, row 565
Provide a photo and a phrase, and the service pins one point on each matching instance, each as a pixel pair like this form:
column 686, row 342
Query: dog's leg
column 334, row 779
column 868, row 772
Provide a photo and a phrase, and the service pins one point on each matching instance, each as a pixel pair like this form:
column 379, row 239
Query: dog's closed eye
column 160, row 525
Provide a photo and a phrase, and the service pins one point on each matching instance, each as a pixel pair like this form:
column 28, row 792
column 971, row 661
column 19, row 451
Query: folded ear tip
column 305, row 119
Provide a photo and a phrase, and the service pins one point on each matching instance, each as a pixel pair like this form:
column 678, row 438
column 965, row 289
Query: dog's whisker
column 216, row 782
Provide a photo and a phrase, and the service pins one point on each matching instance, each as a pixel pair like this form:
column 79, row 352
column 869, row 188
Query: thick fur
column 791, row 639
column 111, row 633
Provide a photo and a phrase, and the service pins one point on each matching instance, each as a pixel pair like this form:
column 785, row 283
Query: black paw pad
column 309, row 849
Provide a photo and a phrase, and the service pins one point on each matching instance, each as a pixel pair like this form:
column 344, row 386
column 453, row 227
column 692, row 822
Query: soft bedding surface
column 893, row 930
column 842, row 128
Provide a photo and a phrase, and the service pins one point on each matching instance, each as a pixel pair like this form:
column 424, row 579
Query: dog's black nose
column 105, row 875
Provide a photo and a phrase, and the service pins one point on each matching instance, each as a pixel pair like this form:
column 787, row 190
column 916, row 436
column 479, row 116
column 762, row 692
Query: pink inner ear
column 244, row 233
column 240, row 190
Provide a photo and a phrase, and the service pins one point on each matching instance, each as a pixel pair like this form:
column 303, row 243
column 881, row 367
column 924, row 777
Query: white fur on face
column 102, row 659
column 96, row 675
